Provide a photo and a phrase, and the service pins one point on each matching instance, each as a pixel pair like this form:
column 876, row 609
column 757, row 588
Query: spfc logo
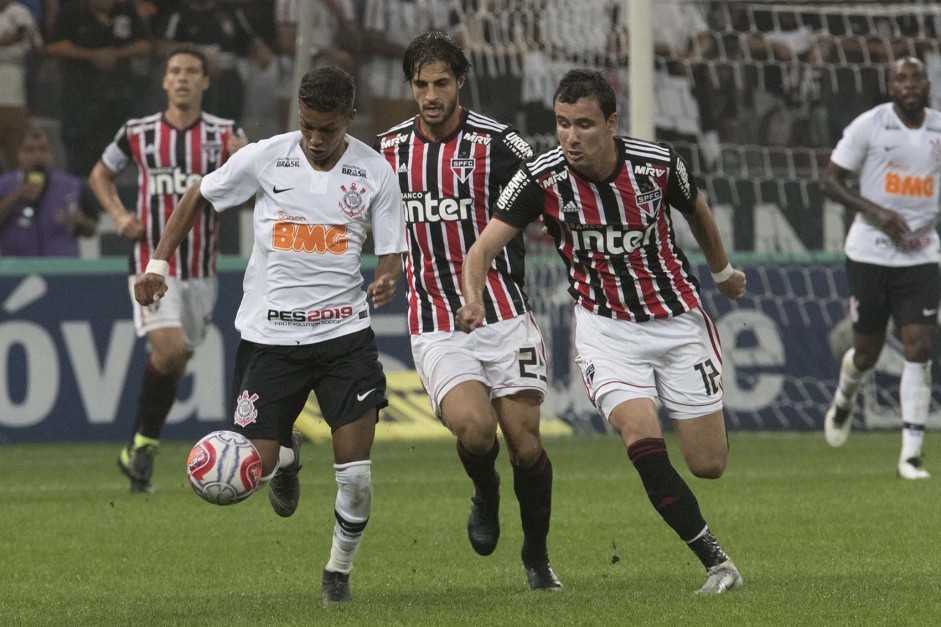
column 212, row 150
column 353, row 202
column 463, row 168
column 245, row 412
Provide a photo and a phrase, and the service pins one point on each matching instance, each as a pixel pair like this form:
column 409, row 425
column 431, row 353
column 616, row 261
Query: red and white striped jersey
column 615, row 236
column 447, row 190
column 168, row 160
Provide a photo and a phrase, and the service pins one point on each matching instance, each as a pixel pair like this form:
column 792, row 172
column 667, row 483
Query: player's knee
column 708, row 468
column 522, row 443
column 476, row 433
column 864, row 362
column 172, row 360
column 477, row 441
column 918, row 351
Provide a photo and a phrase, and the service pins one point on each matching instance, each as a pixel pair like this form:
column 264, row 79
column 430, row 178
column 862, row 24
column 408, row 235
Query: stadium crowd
column 744, row 89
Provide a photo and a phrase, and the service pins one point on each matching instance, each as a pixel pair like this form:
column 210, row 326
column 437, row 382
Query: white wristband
column 157, row 266
column 722, row 275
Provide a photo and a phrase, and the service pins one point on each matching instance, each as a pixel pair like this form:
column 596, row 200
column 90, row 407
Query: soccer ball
column 224, row 467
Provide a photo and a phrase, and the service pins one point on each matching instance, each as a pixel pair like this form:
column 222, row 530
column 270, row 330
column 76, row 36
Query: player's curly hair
column 326, row 89
column 587, row 84
column 431, row 48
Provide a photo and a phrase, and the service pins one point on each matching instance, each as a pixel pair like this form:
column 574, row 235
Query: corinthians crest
column 353, row 203
column 245, row 412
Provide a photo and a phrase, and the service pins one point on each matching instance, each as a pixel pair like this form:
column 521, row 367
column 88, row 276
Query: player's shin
column 481, row 468
column 158, row 392
column 673, row 499
column 352, row 508
column 915, row 396
column 533, row 487
column 850, row 377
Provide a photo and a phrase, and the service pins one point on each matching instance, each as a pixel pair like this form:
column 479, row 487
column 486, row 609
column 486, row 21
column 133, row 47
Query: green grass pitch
column 821, row 536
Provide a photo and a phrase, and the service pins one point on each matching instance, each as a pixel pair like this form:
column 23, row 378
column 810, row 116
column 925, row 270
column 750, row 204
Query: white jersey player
column 304, row 318
column 892, row 249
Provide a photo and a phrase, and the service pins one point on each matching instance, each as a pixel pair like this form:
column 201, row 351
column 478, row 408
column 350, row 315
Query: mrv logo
column 426, row 207
column 649, row 170
column 170, row 180
column 612, row 240
column 395, row 140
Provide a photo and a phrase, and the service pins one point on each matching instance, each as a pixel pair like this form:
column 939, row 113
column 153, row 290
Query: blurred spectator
column 18, row 36
column 43, row 211
column 44, row 13
column 96, row 40
column 388, row 26
column 224, row 34
column 260, row 78
column 689, row 108
column 335, row 39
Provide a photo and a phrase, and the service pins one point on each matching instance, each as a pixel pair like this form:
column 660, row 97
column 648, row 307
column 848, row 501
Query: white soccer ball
column 224, row 467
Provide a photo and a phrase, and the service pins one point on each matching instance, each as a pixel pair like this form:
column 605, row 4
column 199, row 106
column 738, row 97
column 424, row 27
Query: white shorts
column 507, row 357
column 187, row 304
column 676, row 361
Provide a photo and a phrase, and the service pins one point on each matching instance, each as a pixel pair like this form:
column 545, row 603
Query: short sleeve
column 117, row 154
column 233, row 183
column 521, row 201
column 851, row 150
column 681, row 187
column 388, row 221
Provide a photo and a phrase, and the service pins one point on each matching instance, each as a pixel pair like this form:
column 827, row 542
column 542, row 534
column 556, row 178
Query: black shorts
column 271, row 384
column 909, row 294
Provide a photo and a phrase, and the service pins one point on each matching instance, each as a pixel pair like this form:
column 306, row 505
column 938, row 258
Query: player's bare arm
column 492, row 240
column 101, row 181
column 151, row 286
column 388, row 271
column 236, row 142
column 834, row 185
column 731, row 282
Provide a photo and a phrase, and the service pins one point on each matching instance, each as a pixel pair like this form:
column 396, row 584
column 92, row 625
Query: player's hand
column 130, row 226
column 381, row 291
column 470, row 317
column 149, row 288
column 893, row 225
column 734, row 286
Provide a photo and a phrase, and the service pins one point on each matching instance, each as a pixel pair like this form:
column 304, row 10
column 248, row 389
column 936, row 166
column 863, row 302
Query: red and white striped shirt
column 447, row 189
column 615, row 236
column 168, row 160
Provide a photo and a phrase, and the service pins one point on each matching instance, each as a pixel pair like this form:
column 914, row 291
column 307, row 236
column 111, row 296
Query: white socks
column 915, row 396
column 352, row 508
column 850, row 377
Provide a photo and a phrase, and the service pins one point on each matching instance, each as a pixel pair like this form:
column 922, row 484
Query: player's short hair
column 192, row 51
column 431, row 48
column 326, row 89
column 587, row 84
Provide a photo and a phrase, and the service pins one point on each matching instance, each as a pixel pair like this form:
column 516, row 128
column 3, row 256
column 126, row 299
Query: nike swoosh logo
column 360, row 397
column 278, row 191
column 928, row 312
column 888, row 148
